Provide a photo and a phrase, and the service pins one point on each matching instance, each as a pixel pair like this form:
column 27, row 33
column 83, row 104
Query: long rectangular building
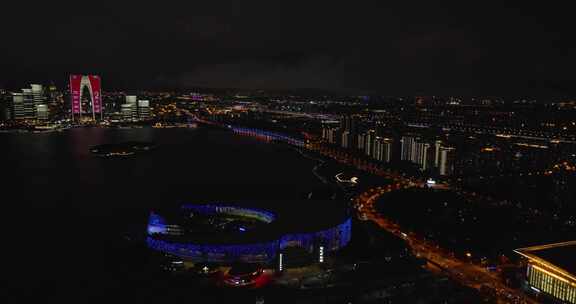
column 551, row 271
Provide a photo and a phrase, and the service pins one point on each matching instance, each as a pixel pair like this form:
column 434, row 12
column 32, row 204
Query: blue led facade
column 331, row 239
column 251, row 253
column 267, row 135
column 156, row 224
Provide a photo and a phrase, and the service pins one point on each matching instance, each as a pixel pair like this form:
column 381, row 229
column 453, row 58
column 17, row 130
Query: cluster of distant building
column 428, row 154
column 433, row 156
column 84, row 102
column 134, row 109
column 31, row 103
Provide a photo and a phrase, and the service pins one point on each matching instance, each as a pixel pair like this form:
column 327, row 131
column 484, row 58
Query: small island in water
column 122, row 149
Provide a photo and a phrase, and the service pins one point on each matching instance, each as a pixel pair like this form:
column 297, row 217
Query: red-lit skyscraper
column 94, row 85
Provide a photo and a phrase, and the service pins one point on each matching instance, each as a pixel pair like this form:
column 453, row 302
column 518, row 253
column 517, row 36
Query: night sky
column 354, row 46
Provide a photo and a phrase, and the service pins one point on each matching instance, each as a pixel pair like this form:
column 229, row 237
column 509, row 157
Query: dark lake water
column 66, row 212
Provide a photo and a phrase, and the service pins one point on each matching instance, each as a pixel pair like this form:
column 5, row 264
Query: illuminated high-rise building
column 18, row 108
column 127, row 110
column 446, row 160
column 407, row 147
column 143, row 109
column 550, row 271
column 437, row 146
column 349, row 124
column 383, row 149
column 29, row 104
column 369, row 144
column 93, row 85
column 38, row 94
column 42, row 112
column 421, row 154
column 416, row 151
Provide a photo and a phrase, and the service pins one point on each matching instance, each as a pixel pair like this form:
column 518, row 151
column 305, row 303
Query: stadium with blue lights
column 226, row 233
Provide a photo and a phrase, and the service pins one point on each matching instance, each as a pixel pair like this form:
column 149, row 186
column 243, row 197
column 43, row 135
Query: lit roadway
column 439, row 259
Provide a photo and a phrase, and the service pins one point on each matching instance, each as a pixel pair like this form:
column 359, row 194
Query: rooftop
column 558, row 256
column 291, row 217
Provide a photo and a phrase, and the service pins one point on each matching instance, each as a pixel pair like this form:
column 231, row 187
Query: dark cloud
column 321, row 73
column 370, row 46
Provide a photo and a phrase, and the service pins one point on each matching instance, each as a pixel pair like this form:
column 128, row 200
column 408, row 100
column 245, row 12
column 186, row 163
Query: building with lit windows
column 42, row 112
column 551, row 271
column 420, row 154
column 127, row 111
column 446, row 159
column 407, row 147
column 350, row 124
column 415, row 150
column 330, row 134
column 369, row 145
column 18, row 108
column 92, row 104
column 383, row 149
column 130, row 108
column 143, row 109
column 29, row 104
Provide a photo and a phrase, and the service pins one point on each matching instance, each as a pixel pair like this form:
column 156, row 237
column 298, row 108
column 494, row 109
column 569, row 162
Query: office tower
column 52, row 93
column 446, row 160
column 132, row 102
column 93, row 83
column 38, row 94
column 42, row 112
column 18, row 108
column 127, row 111
column 131, row 99
column 29, row 104
column 143, row 109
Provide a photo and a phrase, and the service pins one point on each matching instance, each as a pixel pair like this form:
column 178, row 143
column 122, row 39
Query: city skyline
column 289, row 152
